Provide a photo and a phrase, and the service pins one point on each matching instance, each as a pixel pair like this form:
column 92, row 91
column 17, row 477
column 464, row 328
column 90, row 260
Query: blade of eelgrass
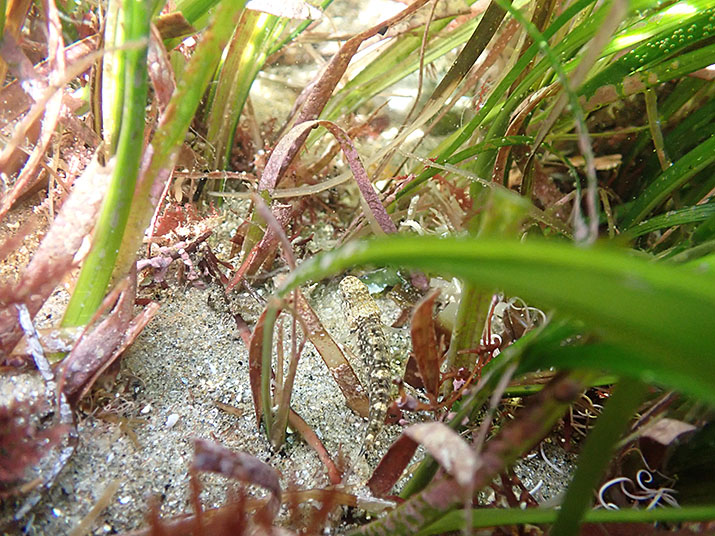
column 501, row 213
column 672, row 218
column 612, row 13
column 690, row 254
column 624, row 362
column 495, row 101
column 474, row 304
column 481, row 35
column 2, row 17
column 672, row 178
column 700, row 188
column 639, row 81
column 686, row 134
column 575, row 39
column 99, row 265
column 111, row 99
column 706, row 230
column 495, row 517
column 394, row 64
column 655, row 19
column 174, row 125
column 688, row 88
column 658, row 310
column 680, row 33
column 193, row 10
column 654, row 124
column 244, row 57
column 704, row 265
column 596, row 454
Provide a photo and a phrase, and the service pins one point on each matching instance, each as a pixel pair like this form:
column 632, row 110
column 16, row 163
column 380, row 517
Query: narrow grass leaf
column 496, row 517
column 376, row 213
column 243, row 59
column 633, row 364
column 596, row 454
column 683, row 216
column 663, row 45
column 672, row 178
column 319, row 93
column 261, row 396
column 620, row 296
column 266, row 246
column 160, row 156
column 99, row 265
column 495, row 101
column 639, row 81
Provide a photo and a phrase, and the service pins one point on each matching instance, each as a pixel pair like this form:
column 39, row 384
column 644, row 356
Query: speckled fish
column 363, row 316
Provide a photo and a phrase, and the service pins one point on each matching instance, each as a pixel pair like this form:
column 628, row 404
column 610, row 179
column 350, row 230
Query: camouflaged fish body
column 363, row 316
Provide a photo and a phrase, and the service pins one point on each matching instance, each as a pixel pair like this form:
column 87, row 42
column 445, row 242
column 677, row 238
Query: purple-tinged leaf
column 376, row 213
column 318, row 93
column 214, row 458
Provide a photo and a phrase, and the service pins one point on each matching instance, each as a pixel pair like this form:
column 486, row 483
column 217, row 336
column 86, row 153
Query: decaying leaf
column 53, row 340
column 214, row 458
column 310, row 437
column 666, row 430
column 98, row 343
column 424, row 345
column 333, row 357
column 173, row 25
column 160, row 70
column 454, row 455
column 659, row 440
column 55, row 256
column 391, row 466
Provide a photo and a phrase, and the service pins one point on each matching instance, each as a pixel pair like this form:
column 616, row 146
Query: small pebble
column 171, row 420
